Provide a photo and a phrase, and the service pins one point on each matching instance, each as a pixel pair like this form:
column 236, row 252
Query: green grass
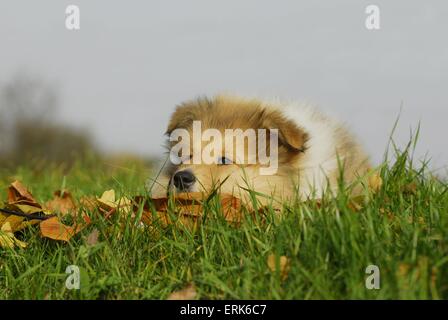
column 402, row 230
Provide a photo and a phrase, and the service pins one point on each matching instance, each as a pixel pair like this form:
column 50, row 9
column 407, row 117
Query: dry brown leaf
column 17, row 191
column 188, row 293
column 284, row 265
column 231, row 208
column 188, row 209
column 54, row 229
column 88, row 203
column 92, row 238
column 61, row 203
column 21, row 200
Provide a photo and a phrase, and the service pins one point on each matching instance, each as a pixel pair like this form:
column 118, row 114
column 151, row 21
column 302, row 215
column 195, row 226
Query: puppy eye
column 224, row 161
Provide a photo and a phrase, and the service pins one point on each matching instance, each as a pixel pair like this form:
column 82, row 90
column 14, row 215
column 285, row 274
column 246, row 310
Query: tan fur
column 224, row 112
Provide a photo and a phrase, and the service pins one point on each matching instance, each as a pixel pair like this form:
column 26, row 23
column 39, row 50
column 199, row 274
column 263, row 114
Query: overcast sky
column 131, row 62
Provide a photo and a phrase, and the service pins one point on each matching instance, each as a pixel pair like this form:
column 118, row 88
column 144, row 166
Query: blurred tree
column 29, row 128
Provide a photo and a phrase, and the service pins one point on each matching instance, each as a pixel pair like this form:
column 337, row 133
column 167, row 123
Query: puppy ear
column 290, row 135
column 181, row 118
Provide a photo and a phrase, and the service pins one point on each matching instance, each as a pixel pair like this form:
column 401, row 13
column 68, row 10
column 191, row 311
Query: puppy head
column 238, row 156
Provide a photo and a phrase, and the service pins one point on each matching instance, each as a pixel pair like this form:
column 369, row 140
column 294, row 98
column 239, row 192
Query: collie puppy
column 306, row 152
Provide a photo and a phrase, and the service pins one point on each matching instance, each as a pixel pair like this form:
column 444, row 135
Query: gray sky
column 122, row 74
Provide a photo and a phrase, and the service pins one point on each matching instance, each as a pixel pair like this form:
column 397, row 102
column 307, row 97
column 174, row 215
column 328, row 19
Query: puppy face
column 236, row 166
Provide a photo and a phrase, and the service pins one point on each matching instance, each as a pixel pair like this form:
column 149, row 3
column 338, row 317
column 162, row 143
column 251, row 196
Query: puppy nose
column 183, row 180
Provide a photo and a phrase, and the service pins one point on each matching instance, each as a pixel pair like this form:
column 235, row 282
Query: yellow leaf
column 13, row 222
column 108, row 201
column 27, row 208
column 3, row 217
column 124, row 204
column 26, row 223
column 16, row 223
column 108, row 198
column 7, row 238
column 284, row 265
column 188, row 293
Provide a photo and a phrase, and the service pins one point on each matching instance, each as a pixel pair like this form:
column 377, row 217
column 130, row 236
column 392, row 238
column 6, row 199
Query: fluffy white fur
column 320, row 159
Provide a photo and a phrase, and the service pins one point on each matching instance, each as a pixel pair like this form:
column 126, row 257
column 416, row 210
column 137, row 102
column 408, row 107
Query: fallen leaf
column 92, row 238
column 26, row 208
column 107, row 198
column 284, row 265
column 19, row 196
column 7, row 238
column 17, row 191
column 54, row 229
column 231, row 208
column 61, row 203
column 88, row 203
column 108, row 201
column 188, row 209
column 16, row 223
column 19, row 200
column 188, row 293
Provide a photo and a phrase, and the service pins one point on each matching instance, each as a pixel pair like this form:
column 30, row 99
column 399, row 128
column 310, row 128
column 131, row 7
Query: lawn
column 402, row 229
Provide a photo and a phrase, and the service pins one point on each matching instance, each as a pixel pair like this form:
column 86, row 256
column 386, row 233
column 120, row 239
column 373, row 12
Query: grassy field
column 403, row 229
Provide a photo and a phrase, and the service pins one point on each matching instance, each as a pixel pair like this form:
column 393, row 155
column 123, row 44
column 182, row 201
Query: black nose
column 183, row 180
